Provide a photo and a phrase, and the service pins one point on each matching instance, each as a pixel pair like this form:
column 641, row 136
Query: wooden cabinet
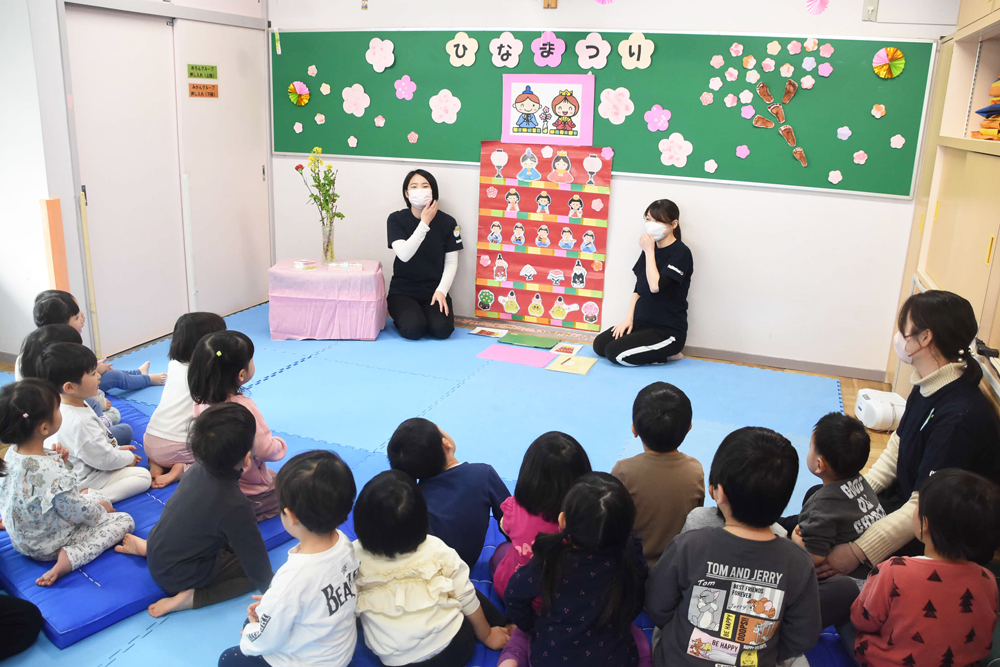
column 973, row 10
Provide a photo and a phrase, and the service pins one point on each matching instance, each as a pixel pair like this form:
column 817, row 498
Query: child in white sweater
column 306, row 618
column 415, row 599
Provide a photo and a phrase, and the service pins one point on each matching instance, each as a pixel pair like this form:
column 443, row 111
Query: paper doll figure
column 588, row 244
column 590, row 311
column 567, row 241
column 556, row 276
column 565, row 106
column 512, row 197
column 535, row 308
column 560, row 310
column 526, row 104
column 528, row 163
column 578, row 278
column 496, row 229
column 500, row 269
column 561, row 169
column 542, row 239
column 485, row 299
column 575, row 207
column 528, row 272
column 517, row 238
column 510, row 302
column 544, row 201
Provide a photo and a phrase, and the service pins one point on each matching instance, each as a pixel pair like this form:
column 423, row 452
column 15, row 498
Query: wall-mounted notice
column 203, row 71
column 203, row 90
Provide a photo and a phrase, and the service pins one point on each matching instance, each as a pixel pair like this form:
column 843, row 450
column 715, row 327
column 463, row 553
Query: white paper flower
column 379, row 121
column 312, row 70
column 320, row 119
column 808, row 63
column 636, row 51
column 746, row 97
column 794, row 48
column 674, row 150
column 444, row 107
column 547, row 152
column 379, row 54
column 774, row 48
column 616, row 105
column 767, row 65
column 717, row 61
column 835, row 177
column 711, row 166
column 897, row 141
column 352, row 141
column 753, row 76
column 461, row 50
column 597, row 204
column 732, row 74
column 356, row 100
column 298, row 128
column 807, row 82
column 592, row 51
column 786, row 70
column 715, row 83
column 325, row 88
column 506, row 50
column 811, row 44
column 736, row 49
column 844, row 133
column 731, row 100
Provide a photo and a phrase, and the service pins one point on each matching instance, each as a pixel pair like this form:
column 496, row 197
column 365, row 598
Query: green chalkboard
column 680, row 73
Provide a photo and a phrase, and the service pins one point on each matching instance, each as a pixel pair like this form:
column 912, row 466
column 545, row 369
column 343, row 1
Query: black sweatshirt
column 665, row 310
column 204, row 514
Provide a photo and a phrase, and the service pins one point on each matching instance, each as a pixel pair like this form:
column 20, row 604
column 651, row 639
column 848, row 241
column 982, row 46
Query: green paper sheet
column 541, row 342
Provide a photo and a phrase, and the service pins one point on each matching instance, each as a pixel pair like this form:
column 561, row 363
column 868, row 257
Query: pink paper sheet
column 518, row 355
column 325, row 303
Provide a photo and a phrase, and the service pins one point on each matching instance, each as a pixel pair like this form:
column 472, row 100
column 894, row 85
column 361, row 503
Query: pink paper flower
column 717, row 62
column 352, row 141
column 811, row 44
column 674, row 150
column 774, row 48
column 405, row 87
column 355, row 100
column 749, row 62
column 320, row 119
column 786, row 70
column 711, row 166
column 548, row 49
column 731, row 100
column 732, row 74
column 715, row 83
column 753, row 76
column 616, row 105
column 826, row 50
column 808, row 63
column 746, row 97
column 816, row 7
column 657, row 119
column 444, row 107
column 736, row 49
column 707, row 98
column 860, row 157
column 742, row 151
column 491, row 192
column 312, row 70
column 826, row 69
column 747, row 112
column 878, row 110
column 807, row 81
column 767, row 65
column 897, row 141
column 597, row 204
column 379, row 121
column 607, row 152
column 794, row 48
column 484, row 260
column 298, row 128
column 412, row 137
column 835, row 177
column 379, row 54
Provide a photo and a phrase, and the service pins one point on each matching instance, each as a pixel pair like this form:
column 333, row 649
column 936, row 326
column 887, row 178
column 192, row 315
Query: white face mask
column 655, row 229
column 419, row 197
column 899, row 343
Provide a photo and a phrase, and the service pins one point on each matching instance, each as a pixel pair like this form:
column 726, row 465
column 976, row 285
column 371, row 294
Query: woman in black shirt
column 426, row 242
column 655, row 329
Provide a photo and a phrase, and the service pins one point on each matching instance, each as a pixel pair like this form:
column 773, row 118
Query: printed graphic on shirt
column 748, row 659
column 711, row 648
column 755, row 600
column 337, row 595
column 706, row 607
column 754, row 631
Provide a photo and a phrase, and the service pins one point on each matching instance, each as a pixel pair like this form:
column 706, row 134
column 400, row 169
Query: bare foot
column 132, row 545
column 144, row 369
column 155, row 469
column 158, row 379
column 179, row 602
column 676, row 357
column 60, row 569
column 165, row 479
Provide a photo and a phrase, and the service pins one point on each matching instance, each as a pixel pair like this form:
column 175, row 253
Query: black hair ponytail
column 218, row 358
column 665, row 211
column 23, row 406
column 952, row 323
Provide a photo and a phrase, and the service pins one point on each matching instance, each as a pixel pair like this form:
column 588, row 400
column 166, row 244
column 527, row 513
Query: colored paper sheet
column 203, row 90
column 564, row 363
column 206, row 71
column 517, row 355
column 526, row 340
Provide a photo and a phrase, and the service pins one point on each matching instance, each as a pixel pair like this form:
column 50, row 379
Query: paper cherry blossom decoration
column 506, row 50
column 592, row 51
column 717, row 62
column 746, row 97
column 736, row 50
column 807, row 82
column 811, row 44
column 405, row 87
column 715, row 83
column 636, row 51
column 794, row 48
column 491, row 192
column 597, row 204
column 352, row 141
column 878, row 110
column 732, row 74
column 312, row 70
column 484, row 260
column 774, row 48
column 616, row 105
column 749, row 62
column 379, row 121
column 860, row 157
column 461, row 50
column 742, row 151
column 356, row 100
column 825, row 69
column 897, row 141
column 547, row 152
column 711, row 166
column 548, row 49
column 707, row 98
column 298, row 128
column 731, row 100
column 412, row 137
column 747, row 112
column 787, row 70
column 835, row 177
column 444, row 107
column 379, row 54
column 767, row 65
column 808, row 63
column 826, row 50
column 607, row 152
column 320, row 119
column 674, row 150
column 844, row 133
column 325, row 88
column 753, row 76
column 657, row 119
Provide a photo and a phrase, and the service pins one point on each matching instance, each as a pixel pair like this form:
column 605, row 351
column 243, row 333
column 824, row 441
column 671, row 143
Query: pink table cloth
column 326, row 303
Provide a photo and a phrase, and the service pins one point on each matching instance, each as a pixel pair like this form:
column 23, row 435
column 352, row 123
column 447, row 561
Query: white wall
column 804, row 277
column 23, row 269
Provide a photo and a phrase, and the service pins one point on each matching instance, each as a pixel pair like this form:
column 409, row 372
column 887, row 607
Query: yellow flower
column 317, row 150
column 329, row 167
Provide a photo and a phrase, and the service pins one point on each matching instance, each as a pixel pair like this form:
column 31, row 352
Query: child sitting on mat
column 552, row 464
column 221, row 364
column 416, row 602
column 58, row 307
column 100, row 462
column 306, row 617
column 207, row 547
column 591, row 577
column 165, row 441
column 47, row 517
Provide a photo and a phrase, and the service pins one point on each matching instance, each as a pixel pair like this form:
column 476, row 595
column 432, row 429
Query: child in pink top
column 221, row 364
column 552, row 464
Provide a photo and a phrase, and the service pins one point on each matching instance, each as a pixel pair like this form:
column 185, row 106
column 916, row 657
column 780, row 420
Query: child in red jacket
column 938, row 609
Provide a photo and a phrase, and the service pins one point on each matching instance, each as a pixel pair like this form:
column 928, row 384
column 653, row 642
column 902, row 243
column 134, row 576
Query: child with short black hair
column 206, row 548
column 591, row 577
column 221, row 364
column 165, row 441
column 738, row 595
column 442, row 617
column 306, row 617
column 944, row 604
column 100, row 462
column 840, row 510
column 665, row 484
column 46, row 516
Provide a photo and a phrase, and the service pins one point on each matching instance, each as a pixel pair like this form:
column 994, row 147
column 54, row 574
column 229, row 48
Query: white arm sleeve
column 405, row 250
column 450, row 268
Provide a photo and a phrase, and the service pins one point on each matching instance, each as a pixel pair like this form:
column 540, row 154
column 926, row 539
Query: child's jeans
column 121, row 431
column 125, row 380
column 519, row 648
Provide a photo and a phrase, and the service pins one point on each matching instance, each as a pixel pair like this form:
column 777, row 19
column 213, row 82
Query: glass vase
column 328, row 252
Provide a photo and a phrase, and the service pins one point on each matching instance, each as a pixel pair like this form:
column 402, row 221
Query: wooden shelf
column 983, row 28
column 972, row 145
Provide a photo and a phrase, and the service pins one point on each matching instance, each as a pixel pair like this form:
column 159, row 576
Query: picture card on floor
column 486, row 331
column 569, row 349
column 527, row 340
column 564, row 363
column 517, row 355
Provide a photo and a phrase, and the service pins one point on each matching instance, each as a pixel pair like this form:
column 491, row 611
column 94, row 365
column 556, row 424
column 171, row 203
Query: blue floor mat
column 348, row 397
